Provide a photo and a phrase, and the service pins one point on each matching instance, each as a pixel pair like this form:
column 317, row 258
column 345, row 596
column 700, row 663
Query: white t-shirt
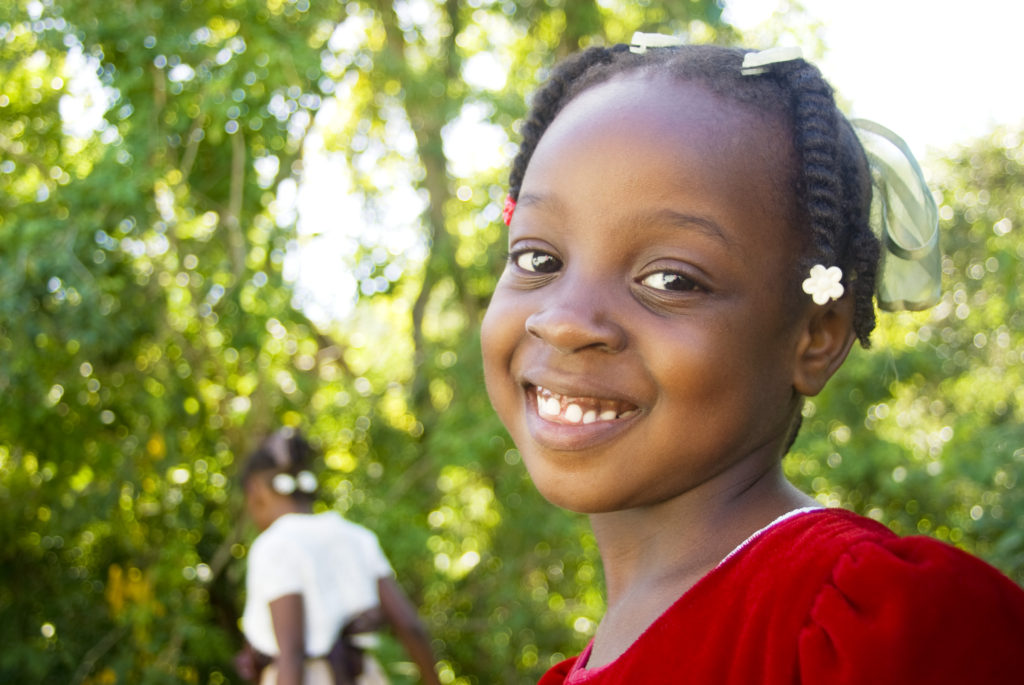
column 333, row 563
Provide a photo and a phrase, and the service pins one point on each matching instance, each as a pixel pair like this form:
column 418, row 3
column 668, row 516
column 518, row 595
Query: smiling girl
column 690, row 257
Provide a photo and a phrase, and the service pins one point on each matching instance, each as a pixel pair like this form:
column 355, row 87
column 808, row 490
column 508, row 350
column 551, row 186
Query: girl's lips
column 568, row 423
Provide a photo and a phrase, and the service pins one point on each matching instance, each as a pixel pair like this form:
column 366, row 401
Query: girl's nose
column 572, row 324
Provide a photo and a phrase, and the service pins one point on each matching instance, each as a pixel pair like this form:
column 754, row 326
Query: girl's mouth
column 566, row 409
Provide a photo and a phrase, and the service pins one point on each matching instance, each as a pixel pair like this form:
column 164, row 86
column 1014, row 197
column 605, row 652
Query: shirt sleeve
column 913, row 610
column 376, row 562
column 275, row 569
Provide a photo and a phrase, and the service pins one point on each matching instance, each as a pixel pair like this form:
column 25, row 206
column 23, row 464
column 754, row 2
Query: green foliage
column 148, row 335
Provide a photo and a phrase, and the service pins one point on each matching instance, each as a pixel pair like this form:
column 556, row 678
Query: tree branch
column 96, row 652
column 232, row 221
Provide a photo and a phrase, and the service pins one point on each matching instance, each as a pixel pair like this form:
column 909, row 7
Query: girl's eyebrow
column 703, row 224
column 665, row 216
column 535, row 199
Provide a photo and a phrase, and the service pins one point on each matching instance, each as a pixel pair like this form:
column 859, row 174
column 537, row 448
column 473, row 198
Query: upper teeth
column 579, row 410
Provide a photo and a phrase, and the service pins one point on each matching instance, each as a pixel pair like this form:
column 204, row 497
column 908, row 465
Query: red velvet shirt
column 830, row 597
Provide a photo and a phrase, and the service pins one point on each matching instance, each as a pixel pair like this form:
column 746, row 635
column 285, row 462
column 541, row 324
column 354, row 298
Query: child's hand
column 369, row 621
column 249, row 663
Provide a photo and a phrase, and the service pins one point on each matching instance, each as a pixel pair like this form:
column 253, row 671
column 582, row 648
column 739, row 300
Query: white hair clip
column 641, row 41
column 286, row 483
column 824, row 284
column 757, row 62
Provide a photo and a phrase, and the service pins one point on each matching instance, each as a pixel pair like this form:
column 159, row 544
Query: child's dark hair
column 833, row 183
column 285, row 451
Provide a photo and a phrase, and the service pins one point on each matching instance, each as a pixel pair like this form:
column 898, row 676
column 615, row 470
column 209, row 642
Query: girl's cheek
column 500, row 326
column 488, row 329
column 495, row 360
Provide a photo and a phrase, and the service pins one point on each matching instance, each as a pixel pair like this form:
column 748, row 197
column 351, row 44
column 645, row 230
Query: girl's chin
column 570, row 491
column 578, row 503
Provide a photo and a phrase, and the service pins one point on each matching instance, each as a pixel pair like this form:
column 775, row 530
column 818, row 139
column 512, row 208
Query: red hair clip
column 508, row 210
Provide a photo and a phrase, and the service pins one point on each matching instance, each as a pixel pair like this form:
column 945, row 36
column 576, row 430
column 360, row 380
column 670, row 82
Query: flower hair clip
column 286, row 483
column 757, row 62
column 824, row 284
column 640, row 41
column 508, row 210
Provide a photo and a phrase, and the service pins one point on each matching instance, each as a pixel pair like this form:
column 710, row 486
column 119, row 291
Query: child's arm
column 286, row 614
column 401, row 614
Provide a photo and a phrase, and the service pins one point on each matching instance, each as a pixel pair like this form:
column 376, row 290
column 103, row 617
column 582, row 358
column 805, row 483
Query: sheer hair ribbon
column 905, row 219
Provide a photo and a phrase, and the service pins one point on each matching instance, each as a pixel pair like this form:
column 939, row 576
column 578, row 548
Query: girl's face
column 641, row 341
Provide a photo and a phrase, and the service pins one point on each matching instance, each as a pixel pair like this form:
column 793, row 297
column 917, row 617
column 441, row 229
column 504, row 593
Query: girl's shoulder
column 839, row 558
column 846, row 547
column 290, row 533
column 877, row 603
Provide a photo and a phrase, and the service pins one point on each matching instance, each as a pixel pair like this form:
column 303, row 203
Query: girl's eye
column 536, row 261
column 669, row 280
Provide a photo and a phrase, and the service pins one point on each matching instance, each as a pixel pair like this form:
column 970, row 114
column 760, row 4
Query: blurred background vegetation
column 165, row 302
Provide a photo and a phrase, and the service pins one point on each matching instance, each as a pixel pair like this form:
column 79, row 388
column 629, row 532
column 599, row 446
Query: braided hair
column 832, row 184
column 285, row 451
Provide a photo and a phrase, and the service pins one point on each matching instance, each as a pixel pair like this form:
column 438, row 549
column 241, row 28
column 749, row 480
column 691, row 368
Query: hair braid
column 834, row 187
column 865, row 250
column 815, row 139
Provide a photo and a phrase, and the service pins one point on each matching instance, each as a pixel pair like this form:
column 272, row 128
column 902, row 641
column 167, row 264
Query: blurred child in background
column 315, row 582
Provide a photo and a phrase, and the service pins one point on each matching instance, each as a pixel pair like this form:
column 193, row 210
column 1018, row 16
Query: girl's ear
column 824, row 343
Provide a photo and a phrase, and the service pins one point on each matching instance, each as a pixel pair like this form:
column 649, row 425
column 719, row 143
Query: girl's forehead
column 677, row 133
column 659, row 104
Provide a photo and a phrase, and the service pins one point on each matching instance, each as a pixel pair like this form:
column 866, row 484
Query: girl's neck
column 680, row 540
column 654, row 555
column 287, row 505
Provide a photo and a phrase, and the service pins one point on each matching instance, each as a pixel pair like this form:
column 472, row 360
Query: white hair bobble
column 306, row 482
column 286, row 483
